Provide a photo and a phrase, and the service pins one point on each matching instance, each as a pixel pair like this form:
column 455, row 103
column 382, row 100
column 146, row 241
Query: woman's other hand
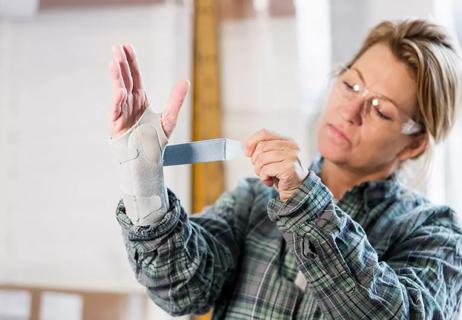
column 276, row 160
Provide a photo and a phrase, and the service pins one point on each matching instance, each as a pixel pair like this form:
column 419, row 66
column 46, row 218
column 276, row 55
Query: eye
column 381, row 115
column 349, row 86
column 376, row 106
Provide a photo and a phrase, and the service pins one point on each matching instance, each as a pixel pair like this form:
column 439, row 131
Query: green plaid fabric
column 380, row 252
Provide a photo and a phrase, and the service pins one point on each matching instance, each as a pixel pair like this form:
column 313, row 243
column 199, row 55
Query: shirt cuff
column 306, row 204
column 154, row 231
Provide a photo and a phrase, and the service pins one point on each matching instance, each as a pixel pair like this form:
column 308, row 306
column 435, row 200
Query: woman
column 340, row 240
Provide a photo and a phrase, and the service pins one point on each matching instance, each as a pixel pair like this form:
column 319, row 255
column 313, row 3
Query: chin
column 331, row 151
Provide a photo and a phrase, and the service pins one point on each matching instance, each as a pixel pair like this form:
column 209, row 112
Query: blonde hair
column 433, row 60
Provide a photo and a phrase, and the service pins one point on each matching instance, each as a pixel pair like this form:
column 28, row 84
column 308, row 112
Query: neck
column 339, row 179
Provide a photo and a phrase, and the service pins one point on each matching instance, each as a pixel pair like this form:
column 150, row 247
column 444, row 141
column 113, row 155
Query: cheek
column 327, row 116
column 330, row 110
column 377, row 146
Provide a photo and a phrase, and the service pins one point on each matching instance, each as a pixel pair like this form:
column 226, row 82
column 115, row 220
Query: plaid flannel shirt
column 380, row 252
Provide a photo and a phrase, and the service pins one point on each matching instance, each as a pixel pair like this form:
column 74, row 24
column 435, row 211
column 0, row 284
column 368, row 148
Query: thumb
column 175, row 101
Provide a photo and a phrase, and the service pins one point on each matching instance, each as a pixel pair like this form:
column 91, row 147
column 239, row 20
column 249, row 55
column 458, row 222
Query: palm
column 130, row 99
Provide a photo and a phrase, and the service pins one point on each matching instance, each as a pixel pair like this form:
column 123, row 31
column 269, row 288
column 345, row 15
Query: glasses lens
column 384, row 110
column 381, row 110
column 349, row 84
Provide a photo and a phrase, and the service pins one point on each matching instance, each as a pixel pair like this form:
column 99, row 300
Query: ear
column 417, row 145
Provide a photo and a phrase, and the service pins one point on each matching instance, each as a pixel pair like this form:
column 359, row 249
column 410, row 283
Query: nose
column 352, row 110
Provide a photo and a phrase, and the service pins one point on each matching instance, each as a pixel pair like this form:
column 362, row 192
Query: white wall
column 266, row 82
column 19, row 9
column 259, row 83
column 59, row 181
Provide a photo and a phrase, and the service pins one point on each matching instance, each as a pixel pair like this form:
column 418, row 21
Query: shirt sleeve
column 420, row 279
column 184, row 261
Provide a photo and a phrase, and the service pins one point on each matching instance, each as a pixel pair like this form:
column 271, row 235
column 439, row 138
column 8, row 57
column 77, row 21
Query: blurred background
column 253, row 64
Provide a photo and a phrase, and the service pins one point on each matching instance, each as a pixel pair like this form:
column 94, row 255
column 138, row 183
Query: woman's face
column 368, row 141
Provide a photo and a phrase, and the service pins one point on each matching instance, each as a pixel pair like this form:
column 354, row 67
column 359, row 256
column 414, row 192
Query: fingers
column 271, row 173
column 269, row 145
column 121, row 59
column 261, row 135
column 134, row 67
column 116, row 76
column 269, row 182
column 170, row 115
column 116, row 110
column 176, row 98
column 119, row 91
column 273, row 156
column 270, row 157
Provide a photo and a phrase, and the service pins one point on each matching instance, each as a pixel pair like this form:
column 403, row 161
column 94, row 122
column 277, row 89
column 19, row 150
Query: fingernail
column 132, row 48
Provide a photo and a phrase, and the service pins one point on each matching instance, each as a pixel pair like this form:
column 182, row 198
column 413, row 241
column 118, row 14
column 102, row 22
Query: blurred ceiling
column 51, row 4
column 241, row 9
column 228, row 9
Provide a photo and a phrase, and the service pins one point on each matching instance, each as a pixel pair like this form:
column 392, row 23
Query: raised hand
column 138, row 138
column 130, row 99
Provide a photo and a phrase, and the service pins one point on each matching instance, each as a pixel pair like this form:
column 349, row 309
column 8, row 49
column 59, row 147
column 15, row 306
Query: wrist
column 287, row 194
column 139, row 154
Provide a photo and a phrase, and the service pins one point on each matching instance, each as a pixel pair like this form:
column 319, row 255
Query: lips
column 337, row 133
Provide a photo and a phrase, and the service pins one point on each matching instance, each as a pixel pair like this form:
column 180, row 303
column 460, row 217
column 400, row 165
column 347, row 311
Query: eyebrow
column 379, row 94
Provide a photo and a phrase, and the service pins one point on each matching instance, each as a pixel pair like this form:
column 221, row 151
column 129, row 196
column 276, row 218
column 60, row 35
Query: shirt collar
column 371, row 192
